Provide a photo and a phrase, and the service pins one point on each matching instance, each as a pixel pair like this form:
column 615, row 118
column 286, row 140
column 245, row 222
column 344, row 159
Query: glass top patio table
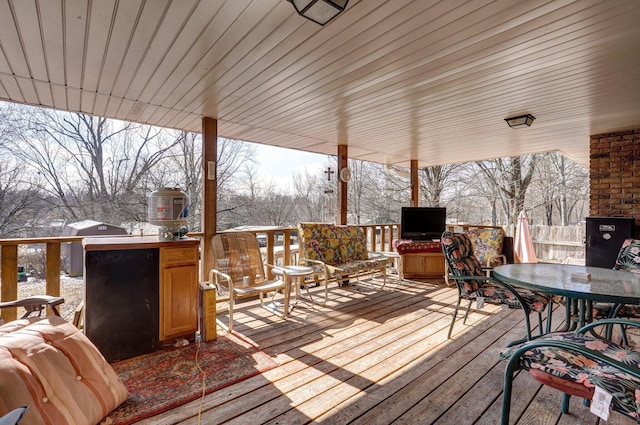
column 603, row 285
column 606, row 285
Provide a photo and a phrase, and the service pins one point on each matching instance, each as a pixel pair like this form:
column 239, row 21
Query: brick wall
column 615, row 175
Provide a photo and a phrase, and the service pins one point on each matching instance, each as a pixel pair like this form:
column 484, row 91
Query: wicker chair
column 240, row 272
column 474, row 284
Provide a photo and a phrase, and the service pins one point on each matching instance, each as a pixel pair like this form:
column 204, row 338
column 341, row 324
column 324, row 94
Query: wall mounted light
column 319, row 11
column 521, row 121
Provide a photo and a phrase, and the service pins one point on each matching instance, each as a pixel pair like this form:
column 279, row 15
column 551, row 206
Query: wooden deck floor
column 381, row 357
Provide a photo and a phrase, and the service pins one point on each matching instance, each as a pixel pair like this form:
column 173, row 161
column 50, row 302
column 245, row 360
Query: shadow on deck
column 382, row 357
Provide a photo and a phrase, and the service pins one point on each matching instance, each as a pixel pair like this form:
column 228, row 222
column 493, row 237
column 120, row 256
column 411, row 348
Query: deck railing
column 281, row 248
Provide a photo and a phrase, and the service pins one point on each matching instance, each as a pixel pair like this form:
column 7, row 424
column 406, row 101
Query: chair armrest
column 216, row 277
column 497, row 282
column 306, row 261
column 284, row 272
column 35, row 304
column 502, row 257
column 274, row 267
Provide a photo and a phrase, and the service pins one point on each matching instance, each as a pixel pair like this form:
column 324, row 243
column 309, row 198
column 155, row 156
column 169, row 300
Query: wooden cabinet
column 140, row 291
column 423, row 265
column 178, row 292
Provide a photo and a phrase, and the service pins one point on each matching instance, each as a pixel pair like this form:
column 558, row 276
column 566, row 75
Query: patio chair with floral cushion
column 487, row 245
column 473, row 283
column 576, row 363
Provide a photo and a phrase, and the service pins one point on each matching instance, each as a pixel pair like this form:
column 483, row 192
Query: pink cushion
column 51, row 366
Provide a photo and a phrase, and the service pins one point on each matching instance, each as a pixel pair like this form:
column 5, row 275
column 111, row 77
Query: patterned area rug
column 168, row 378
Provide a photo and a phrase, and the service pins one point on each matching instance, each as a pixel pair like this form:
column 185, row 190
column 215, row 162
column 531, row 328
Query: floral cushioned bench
column 339, row 251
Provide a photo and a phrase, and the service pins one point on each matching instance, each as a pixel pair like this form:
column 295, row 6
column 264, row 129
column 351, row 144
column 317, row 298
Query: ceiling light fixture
column 521, row 121
column 319, row 11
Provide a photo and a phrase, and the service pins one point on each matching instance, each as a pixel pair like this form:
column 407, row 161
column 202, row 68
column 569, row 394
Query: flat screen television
column 422, row 223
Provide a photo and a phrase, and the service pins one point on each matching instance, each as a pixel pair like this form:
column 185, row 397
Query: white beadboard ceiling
column 395, row 80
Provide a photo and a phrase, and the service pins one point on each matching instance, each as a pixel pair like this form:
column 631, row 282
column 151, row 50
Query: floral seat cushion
column 459, row 252
column 576, row 374
column 487, row 245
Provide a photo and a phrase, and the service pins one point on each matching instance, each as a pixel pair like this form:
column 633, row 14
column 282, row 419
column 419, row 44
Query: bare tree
column 512, row 177
column 433, row 182
column 92, row 167
column 308, row 196
column 236, row 180
column 560, row 184
column 272, row 207
column 18, row 199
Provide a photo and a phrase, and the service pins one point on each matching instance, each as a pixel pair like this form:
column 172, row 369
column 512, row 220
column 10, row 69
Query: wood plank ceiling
column 394, row 80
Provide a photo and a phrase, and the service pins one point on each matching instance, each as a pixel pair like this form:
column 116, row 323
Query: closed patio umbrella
column 523, row 245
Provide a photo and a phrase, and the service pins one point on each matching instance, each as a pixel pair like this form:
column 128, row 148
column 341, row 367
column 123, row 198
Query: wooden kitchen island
column 140, row 293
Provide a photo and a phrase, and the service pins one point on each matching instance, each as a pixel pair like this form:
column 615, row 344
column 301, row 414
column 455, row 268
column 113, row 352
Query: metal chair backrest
column 238, row 255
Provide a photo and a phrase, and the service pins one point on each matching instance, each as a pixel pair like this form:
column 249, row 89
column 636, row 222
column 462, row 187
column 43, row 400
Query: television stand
column 423, row 265
column 421, row 259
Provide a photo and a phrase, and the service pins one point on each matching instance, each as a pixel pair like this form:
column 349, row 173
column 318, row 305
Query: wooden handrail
column 9, row 255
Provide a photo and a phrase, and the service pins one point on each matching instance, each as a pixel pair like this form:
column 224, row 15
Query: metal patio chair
column 575, row 363
column 240, row 272
column 473, row 284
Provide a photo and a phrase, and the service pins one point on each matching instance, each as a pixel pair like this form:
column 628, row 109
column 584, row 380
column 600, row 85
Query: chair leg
column 466, row 314
column 384, row 276
column 540, row 332
column 527, row 321
column 229, row 327
column 231, row 302
column 565, row 403
column 453, row 319
column 567, row 315
column 506, row 396
column 549, row 316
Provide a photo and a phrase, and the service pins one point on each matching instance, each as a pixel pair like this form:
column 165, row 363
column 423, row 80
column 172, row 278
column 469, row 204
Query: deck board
column 381, row 357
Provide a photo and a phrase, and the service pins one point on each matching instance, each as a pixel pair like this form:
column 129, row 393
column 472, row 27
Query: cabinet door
column 121, row 301
column 423, row 265
column 179, row 301
column 178, row 292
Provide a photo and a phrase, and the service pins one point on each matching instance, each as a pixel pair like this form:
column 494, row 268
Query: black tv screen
column 422, row 223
